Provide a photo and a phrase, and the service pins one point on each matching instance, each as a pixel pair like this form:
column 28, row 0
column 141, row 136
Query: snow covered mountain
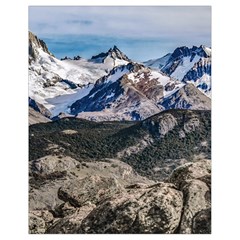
column 187, row 97
column 135, row 92
column 112, row 58
column 110, row 86
column 122, row 94
column 158, row 63
column 187, row 65
column 57, row 84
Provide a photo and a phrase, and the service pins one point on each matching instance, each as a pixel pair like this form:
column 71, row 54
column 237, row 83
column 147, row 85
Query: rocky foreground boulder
column 92, row 189
column 39, row 220
column 194, row 180
column 200, row 170
column 97, row 204
column 153, row 209
column 201, row 222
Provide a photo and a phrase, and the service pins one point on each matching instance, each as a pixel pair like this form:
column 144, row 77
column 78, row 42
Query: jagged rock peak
column 114, row 52
column 114, row 49
column 184, row 51
column 35, row 42
column 65, row 58
column 117, row 53
column 74, row 58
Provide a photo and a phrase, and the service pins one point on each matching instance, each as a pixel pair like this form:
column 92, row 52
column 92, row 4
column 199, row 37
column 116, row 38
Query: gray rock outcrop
column 154, row 209
column 200, row 170
column 92, row 189
column 194, row 180
column 202, row 222
column 98, row 204
column 39, row 221
column 71, row 223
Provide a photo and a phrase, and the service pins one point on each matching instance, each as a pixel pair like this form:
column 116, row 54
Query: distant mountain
column 187, row 65
column 135, row 92
column 129, row 92
column 57, row 84
column 200, row 76
column 110, row 86
column 188, row 97
column 113, row 57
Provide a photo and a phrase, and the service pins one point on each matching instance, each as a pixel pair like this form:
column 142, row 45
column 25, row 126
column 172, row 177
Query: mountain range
column 110, row 86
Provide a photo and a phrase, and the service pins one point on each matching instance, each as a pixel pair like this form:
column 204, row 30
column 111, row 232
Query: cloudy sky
column 141, row 32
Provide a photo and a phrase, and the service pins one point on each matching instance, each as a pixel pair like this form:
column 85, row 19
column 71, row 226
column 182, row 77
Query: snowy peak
column 115, row 53
column 130, row 92
column 35, row 44
column 56, row 84
column 184, row 51
column 207, row 50
column 181, row 52
column 171, row 61
column 113, row 56
column 187, row 65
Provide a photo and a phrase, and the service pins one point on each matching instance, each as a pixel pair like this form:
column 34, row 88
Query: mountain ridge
column 187, row 65
column 114, row 89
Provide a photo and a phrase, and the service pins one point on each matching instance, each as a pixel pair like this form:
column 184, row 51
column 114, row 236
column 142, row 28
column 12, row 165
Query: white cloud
column 142, row 22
